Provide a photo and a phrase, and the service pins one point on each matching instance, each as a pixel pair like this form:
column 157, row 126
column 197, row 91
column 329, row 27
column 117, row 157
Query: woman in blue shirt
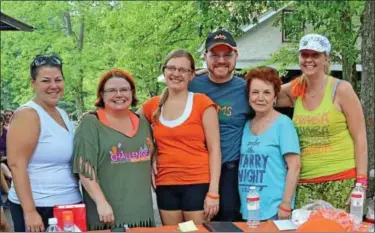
column 270, row 149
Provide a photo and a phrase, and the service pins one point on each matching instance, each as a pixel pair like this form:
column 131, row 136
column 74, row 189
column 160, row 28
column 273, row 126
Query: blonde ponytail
column 163, row 98
column 327, row 68
column 299, row 86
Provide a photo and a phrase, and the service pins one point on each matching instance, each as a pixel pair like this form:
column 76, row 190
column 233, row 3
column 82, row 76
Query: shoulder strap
column 334, row 88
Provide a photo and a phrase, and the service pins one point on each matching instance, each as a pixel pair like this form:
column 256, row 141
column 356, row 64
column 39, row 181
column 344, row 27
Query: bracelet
column 285, row 209
column 362, row 176
column 213, row 196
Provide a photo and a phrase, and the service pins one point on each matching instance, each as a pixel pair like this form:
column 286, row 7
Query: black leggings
column 19, row 221
column 181, row 197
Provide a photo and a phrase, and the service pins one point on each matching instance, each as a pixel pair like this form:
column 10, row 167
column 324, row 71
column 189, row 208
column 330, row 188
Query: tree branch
column 68, row 23
column 179, row 40
column 81, row 32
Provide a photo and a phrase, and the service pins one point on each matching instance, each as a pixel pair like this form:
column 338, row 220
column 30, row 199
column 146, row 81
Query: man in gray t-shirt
column 230, row 94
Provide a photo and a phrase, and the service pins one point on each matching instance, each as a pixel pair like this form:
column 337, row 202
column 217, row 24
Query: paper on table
column 187, row 226
column 284, row 225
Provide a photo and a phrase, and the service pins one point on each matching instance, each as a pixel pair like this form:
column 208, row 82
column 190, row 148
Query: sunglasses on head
column 46, row 60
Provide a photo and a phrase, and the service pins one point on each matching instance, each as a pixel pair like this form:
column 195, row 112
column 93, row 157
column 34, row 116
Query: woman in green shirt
column 112, row 155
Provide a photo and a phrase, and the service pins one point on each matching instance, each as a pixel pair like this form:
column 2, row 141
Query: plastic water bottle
column 253, row 208
column 53, row 227
column 68, row 221
column 357, row 203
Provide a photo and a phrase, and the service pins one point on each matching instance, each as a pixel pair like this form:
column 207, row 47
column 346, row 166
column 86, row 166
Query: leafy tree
column 368, row 82
column 94, row 36
column 338, row 20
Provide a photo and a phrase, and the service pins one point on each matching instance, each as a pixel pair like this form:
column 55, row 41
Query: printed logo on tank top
column 117, row 154
column 313, row 131
column 252, row 167
column 225, row 110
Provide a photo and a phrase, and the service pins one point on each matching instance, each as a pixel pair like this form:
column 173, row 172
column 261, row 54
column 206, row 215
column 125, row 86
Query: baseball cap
column 315, row 42
column 220, row 37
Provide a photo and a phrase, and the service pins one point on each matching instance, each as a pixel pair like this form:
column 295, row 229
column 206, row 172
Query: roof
column 8, row 23
column 263, row 18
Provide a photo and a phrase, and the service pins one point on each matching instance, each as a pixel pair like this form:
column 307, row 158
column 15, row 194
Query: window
column 291, row 26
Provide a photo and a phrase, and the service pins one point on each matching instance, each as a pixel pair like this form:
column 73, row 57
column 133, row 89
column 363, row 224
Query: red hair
column 118, row 73
column 266, row 74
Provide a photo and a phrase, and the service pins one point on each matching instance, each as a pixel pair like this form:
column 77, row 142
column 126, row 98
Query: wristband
column 213, row 196
column 362, row 176
column 362, row 181
column 285, row 209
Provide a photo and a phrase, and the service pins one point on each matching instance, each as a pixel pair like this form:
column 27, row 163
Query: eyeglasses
column 217, row 57
column 172, row 69
column 114, row 91
column 45, row 60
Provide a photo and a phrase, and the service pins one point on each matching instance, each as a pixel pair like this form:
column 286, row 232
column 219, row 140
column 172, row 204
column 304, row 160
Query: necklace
column 314, row 93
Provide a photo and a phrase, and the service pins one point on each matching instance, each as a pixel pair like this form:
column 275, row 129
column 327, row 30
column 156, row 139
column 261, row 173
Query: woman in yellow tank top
column 330, row 124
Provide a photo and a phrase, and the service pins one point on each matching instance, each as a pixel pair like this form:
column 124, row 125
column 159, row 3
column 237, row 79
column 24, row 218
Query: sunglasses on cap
column 46, row 60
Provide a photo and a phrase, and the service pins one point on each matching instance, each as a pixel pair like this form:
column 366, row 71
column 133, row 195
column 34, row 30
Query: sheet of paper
column 187, row 226
column 284, row 225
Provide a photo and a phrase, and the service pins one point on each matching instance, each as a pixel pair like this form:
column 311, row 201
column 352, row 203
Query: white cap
column 52, row 221
column 358, row 184
column 252, row 187
column 315, row 42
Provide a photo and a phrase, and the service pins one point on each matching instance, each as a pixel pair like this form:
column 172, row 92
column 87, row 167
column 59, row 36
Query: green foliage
column 132, row 35
column 338, row 20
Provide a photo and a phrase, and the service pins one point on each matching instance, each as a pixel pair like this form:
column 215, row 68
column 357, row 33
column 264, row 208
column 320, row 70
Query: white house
column 259, row 41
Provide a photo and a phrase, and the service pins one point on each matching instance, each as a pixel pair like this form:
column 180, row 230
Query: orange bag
column 331, row 220
column 79, row 216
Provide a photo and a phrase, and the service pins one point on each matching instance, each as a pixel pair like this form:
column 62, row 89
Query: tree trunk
column 347, row 69
column 367, row 83
column 68, row 23
column 348, row 62
column 356, row 82
column 80, row 104
column 80, row 38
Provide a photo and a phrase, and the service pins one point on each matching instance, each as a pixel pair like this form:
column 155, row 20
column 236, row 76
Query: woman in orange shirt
column 186, row 130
